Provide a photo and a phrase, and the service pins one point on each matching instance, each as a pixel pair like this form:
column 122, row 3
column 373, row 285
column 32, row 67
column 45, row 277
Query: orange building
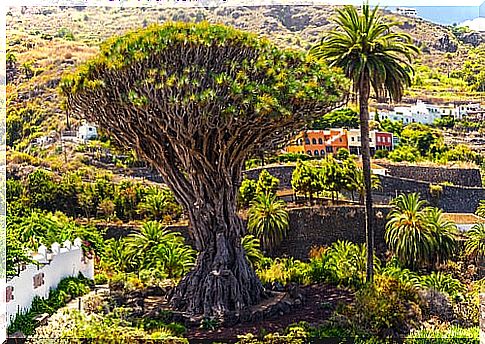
column 318, row 143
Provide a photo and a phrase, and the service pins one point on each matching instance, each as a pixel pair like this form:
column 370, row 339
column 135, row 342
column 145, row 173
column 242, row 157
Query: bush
column 444, row 283
column 283, row 271
column 451, row 335
column 100, row 278
column 345, row 263
column 387, row 308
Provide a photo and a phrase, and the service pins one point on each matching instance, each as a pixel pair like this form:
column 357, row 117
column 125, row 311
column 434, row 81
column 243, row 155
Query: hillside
column 44, row 42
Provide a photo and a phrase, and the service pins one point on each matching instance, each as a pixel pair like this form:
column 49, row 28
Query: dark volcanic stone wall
column 309, row 227
column 452, row 199
column 321, row 226
column 436, row 175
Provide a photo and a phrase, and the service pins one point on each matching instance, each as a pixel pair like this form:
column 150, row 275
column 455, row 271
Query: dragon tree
column 194, row 100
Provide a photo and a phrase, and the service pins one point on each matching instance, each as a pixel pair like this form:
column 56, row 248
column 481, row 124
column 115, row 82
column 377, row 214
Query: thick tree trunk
column 364, row 92
column 222, row 284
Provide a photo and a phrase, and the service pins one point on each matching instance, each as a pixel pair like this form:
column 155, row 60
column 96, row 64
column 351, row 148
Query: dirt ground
column 319, row 302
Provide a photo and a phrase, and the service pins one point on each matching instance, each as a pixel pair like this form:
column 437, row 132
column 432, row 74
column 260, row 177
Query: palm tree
column 251, row 247
column 371, row 56
column 481, row 208
column 356, row 183
column 445, row 232
column 408, row 235
column 475, row 243
column 268, row 220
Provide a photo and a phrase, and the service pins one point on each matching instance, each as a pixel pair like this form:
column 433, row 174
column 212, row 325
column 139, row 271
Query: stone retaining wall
column 321, row 226
column 452, row 199
column 436, row 175
column 308, row 227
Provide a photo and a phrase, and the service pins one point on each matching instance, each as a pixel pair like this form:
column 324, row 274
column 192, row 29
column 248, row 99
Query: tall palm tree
column 371, row 55
column 268, row 220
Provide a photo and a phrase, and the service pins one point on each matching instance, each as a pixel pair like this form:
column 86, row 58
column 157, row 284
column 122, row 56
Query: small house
column 87, row 132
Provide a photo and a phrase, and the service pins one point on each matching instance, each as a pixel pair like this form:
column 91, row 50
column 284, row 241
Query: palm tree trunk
column 364, row 92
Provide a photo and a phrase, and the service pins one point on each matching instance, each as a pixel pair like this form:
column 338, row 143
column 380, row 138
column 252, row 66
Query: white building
column 354, row 141
column 406, row 11
column 420, row 113
column 87, row 132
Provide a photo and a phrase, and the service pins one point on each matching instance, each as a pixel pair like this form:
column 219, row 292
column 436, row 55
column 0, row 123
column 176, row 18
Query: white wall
column 67, row 260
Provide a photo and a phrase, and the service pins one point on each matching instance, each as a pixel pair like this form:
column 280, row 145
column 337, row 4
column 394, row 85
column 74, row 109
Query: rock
column 472, row 38
column 447, row 44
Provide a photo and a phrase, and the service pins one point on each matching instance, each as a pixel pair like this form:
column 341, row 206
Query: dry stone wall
column 457, row 176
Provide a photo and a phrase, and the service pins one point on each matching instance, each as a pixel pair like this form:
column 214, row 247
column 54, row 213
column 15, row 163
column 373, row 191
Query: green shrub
column 451, row 335
column 247, row 191
column 283, row 271
column 444, row 283
column 100, row 278
column 385, row 308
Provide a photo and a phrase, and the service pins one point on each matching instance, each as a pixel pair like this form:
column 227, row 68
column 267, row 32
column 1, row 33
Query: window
column 320, row 141
column 340, row 139
column 307, row 141
column 315, row 152
column 352, row 139
column 329, row 149
column 358, row 138
column 314, row 141
column 309, row 152
column 322, row 152
column 300, row 142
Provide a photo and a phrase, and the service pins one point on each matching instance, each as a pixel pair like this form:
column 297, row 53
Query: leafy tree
column 391, row 126
column 333, row 176
column 267, row 183
column 404, row 153
column 342, row 154
column 426, row 140
column 306, row 179
column 341, row 118
column 194, row 100
column 247, row 191
column 371, row 55
column 268, row 220
column 41, row 189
